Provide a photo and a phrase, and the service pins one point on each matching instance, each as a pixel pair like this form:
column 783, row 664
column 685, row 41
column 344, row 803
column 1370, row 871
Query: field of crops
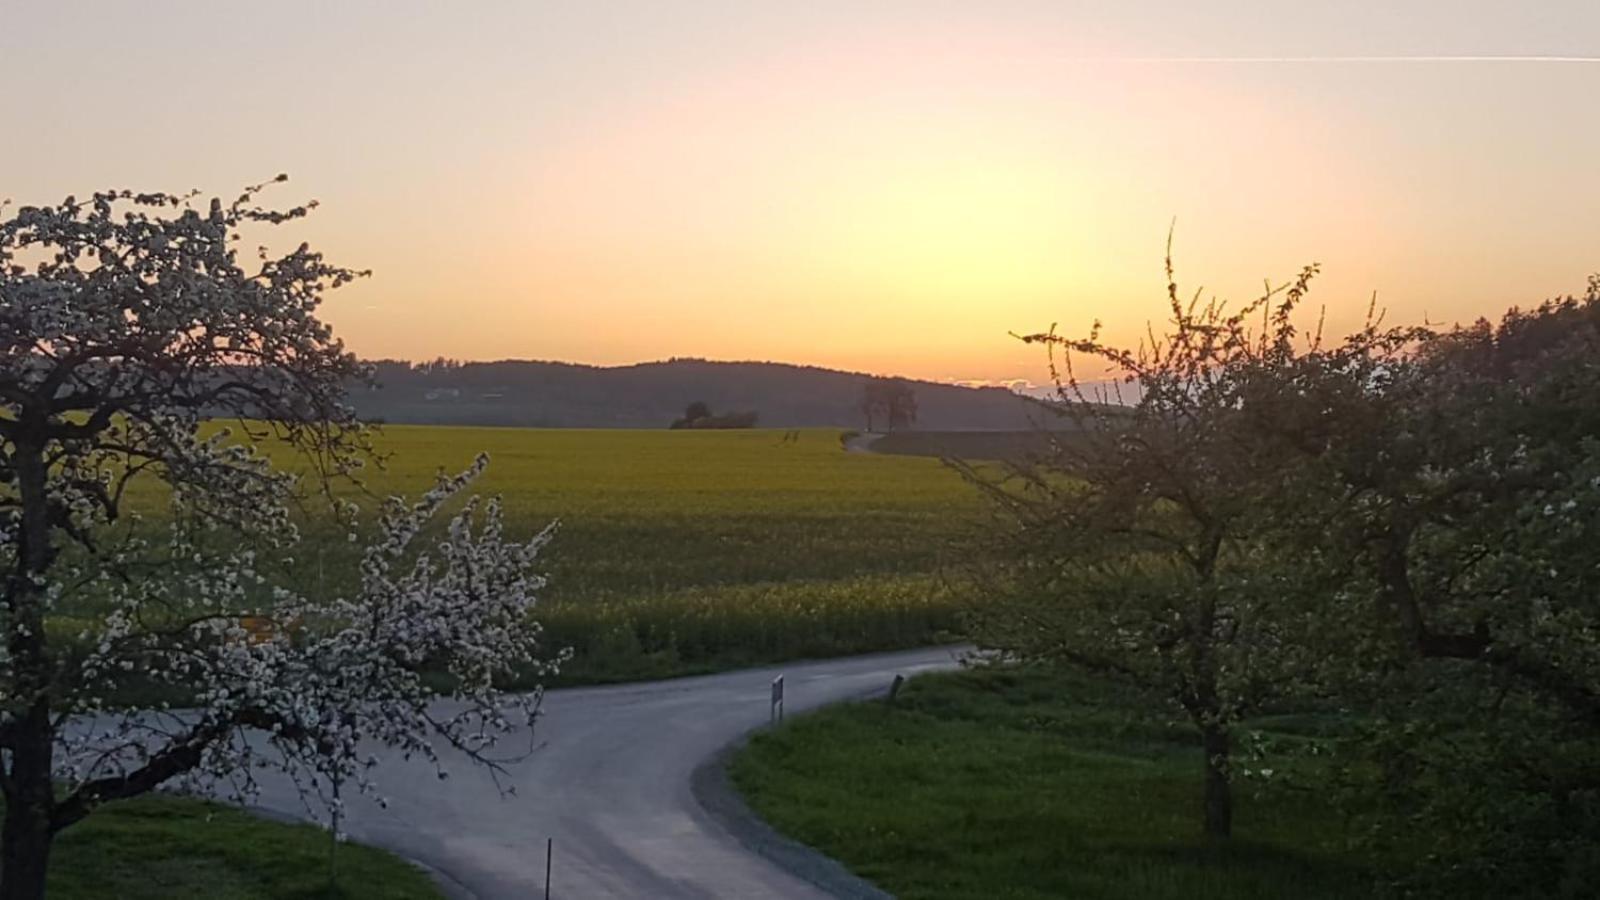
column 683, row 551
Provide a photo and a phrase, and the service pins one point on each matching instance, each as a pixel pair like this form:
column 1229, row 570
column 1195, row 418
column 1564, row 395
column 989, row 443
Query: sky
column 891, row 187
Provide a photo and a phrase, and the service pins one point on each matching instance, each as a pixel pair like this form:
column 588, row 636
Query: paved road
column 862, row 443
column 611, row 785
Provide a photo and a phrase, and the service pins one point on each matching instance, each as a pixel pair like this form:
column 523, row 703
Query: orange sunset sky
column 888, row 187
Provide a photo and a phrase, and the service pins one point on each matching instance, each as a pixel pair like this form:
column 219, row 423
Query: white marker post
column 777, row 700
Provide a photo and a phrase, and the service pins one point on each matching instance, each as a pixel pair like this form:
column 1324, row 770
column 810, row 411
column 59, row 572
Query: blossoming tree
column 130, row 329
column 1132, row 542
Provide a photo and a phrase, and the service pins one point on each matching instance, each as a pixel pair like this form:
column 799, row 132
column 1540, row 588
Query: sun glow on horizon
column 891, row 189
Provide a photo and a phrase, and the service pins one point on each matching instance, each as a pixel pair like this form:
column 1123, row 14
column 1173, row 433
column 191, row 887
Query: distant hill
column 652, row 395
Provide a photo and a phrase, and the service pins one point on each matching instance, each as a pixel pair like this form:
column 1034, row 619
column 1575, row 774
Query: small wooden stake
column 894, row 689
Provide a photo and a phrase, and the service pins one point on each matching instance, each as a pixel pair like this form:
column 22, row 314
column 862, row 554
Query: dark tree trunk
column 27, row 831
column 26, row 854
column 1219, row 792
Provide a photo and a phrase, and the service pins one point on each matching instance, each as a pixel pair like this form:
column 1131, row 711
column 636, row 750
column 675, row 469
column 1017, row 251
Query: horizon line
column 948, row 380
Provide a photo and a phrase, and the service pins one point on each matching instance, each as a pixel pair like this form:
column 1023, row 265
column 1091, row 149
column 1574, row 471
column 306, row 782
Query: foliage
column 1404, row 523
column 892, row 401
column 128, row 322
column 699, row 415
column 1492, row 794
column 1464, row 490
column 1033, row 783
column 1135, row 542
column 1449, row 502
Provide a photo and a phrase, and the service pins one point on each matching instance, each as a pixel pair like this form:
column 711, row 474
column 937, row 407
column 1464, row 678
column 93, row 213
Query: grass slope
column 999, row 784
column 157, row 847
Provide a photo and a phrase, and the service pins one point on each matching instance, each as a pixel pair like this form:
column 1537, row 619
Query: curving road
column 611, row 785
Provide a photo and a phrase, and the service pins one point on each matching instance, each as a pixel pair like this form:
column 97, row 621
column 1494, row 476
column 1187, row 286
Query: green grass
column 157, row 847
column 1027, row 784
column 689, row 551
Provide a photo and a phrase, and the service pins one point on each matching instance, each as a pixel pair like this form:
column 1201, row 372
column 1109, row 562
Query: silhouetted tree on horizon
column 891, row 398
column 698, row 415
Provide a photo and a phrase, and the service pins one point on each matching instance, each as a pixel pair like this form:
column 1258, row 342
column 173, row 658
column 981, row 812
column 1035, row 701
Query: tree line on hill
column 890, row 401
column 698, row 415
column 648, row 395
column 1399, row 531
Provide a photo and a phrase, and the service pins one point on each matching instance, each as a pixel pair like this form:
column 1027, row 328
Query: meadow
column 160, row 846
column 1030, row 783
column 689, row 551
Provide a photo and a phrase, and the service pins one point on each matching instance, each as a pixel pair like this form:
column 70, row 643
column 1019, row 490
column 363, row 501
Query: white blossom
column 130, row 330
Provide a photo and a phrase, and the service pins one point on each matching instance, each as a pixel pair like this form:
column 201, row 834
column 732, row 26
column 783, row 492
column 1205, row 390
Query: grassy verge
column 156, row 847
column 1007, row 784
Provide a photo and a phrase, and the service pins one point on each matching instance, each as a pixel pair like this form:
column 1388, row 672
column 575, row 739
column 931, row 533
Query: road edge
column 713, row 790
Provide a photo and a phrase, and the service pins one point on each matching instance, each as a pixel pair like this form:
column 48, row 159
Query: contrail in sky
column 1343, row 59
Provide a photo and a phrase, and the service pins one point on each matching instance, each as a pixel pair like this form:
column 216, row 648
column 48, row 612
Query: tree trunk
column 27, row 831
column 26, row 855
column 1219, row 792
column 26, row 834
